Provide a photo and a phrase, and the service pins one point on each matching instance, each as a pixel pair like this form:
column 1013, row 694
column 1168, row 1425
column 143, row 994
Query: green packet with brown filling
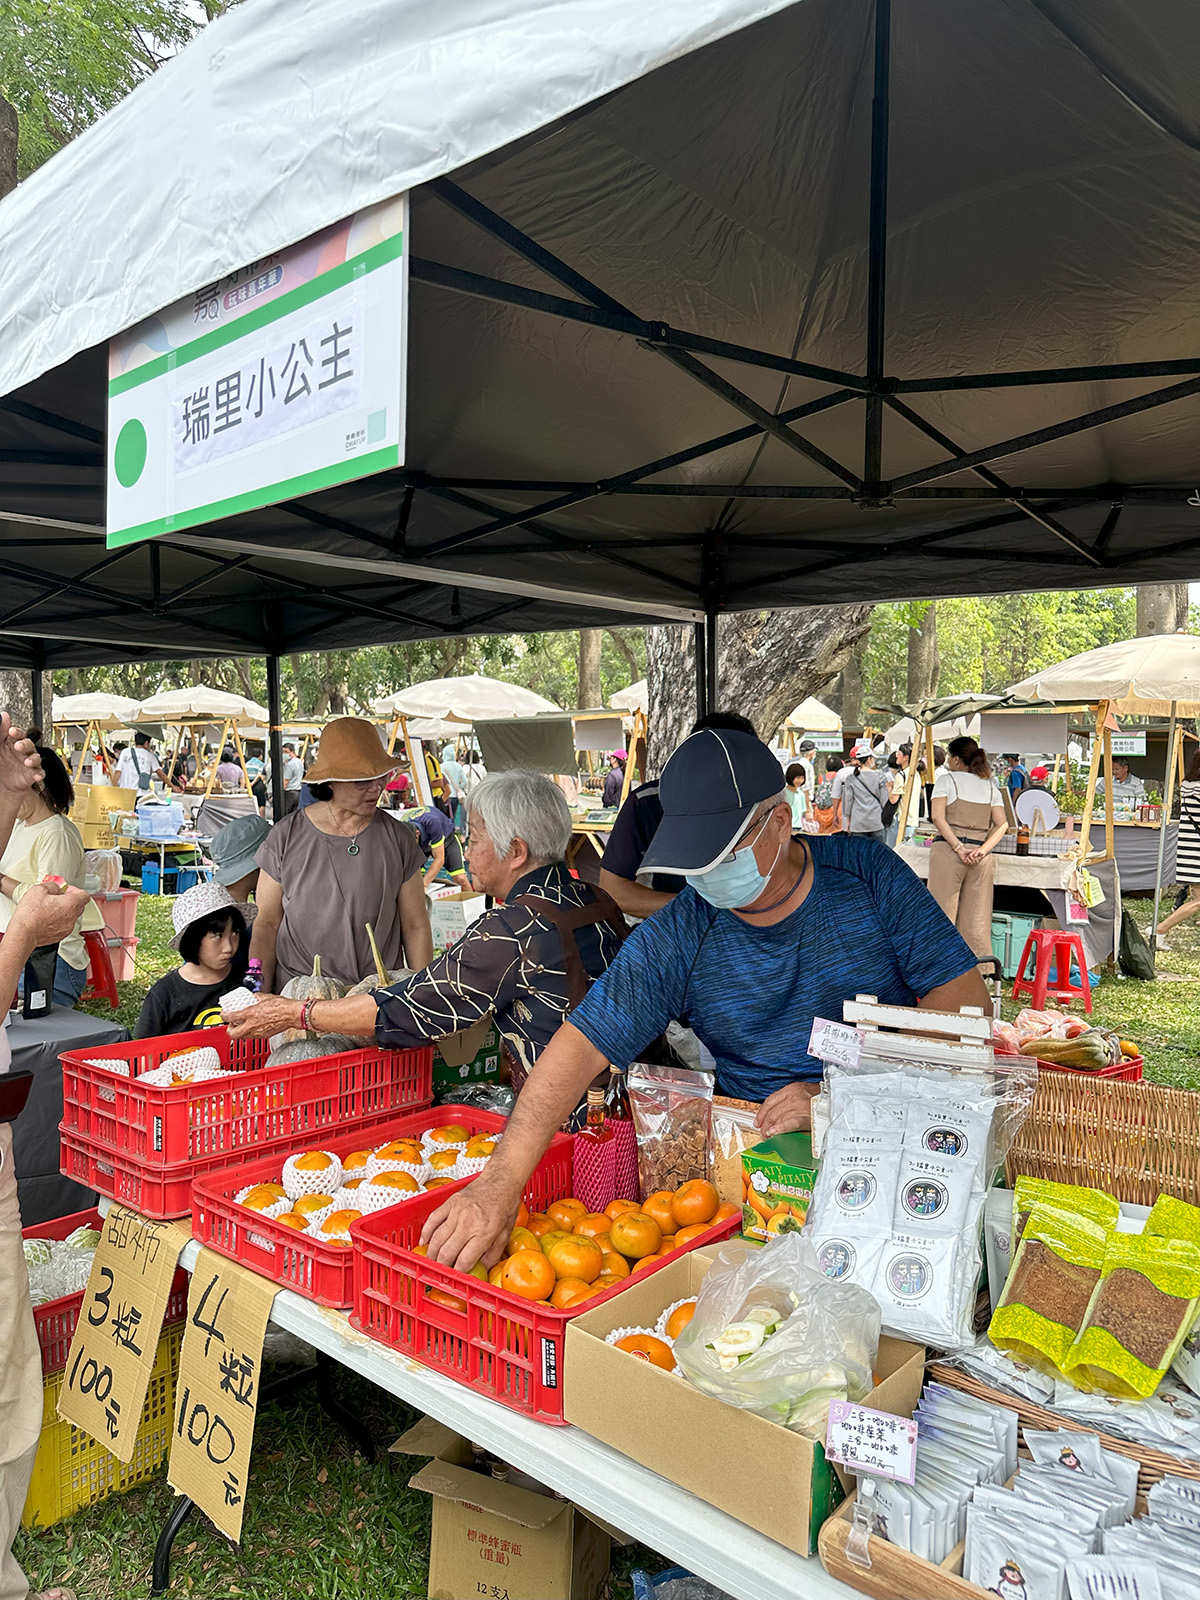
column 1094, row 1204
column 1052, row 1278
column 1140, row 1313
column 1174, row 1219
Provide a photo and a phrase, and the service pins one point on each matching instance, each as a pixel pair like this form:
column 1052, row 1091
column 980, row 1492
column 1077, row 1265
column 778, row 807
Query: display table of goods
column 1058, row 1446
column 143, row 1120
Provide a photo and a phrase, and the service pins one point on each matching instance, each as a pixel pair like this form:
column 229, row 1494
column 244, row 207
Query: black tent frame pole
column 877, row 254
column 37, row 704
column 275, row 717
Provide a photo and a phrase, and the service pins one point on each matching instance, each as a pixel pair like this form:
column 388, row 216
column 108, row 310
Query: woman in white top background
column 968, row 813
column 45, row 843
column 1187, row 854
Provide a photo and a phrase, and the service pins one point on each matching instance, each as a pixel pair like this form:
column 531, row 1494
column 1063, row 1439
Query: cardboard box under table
column 759, row 1472
column 493, row 1538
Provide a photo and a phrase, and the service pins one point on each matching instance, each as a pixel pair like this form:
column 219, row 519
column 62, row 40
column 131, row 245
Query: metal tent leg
column 160, row 1580
column 337, row 1412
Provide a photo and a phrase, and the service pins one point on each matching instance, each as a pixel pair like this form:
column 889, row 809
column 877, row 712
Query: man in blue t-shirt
column 771, row 931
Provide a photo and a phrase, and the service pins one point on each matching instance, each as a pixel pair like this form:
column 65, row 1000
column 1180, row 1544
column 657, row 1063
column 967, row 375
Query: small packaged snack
column 1174, row 1219
column 1054, row 1272
column 672, row 1116
column 1140, row 1313
column 1094, row 1204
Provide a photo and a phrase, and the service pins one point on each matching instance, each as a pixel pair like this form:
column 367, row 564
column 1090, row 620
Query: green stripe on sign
column 255, row 499
column 303, row 295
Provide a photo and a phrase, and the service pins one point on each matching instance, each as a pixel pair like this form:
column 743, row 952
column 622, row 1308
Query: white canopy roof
column 465, row 699
column 906, row 731
column 200, row 701
column 244, row 164
column 108, row 711
column 813, row 716
column 635, row 698
column 1142, row 677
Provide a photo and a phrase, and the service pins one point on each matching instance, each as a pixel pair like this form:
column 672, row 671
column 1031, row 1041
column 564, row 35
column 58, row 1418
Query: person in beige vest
column 968, row 813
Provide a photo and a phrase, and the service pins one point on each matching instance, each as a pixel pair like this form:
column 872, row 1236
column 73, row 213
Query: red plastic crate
column 1127, row 1071
column 320, row 1272
column 263, row 1107
column 56, row 1319
column 508, row 1349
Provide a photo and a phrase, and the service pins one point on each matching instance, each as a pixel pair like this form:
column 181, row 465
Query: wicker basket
column 1135, row 1140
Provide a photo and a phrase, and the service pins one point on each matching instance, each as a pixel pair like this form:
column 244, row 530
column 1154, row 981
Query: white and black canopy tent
column 717, row 304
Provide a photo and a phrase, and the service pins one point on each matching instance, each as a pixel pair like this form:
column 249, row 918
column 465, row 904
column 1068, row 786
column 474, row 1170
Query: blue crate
column 1009, row 933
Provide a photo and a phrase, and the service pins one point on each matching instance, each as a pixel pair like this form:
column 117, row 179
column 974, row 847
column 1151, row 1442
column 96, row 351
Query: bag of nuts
column 672, row 1116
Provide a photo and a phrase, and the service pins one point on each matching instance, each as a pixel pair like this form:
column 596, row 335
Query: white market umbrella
column 1158, row 676
column 1152, row 677
column 433, row 730
column 813, row 716
column 105, row 711
column 635, row 698
column 200, row 703
column 905, row 731
column 464, row 700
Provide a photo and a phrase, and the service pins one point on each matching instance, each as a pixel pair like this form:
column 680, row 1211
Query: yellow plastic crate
column 73, row 1470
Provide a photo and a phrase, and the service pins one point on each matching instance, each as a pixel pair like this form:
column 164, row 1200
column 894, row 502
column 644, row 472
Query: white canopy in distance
column 464, row 699
column 108, row 711
column 814, row 716
column 1142, row 677
column 635, row 698
column 198, row 703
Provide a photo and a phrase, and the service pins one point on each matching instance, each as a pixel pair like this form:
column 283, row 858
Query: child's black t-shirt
column 174, row 1005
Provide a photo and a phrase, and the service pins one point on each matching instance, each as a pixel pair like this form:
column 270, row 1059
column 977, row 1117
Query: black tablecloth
column 36, row 1046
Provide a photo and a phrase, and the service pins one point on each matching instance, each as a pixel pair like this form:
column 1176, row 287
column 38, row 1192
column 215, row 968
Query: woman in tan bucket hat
column 340, row 863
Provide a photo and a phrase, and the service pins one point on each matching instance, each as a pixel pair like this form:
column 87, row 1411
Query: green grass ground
column 321, row 1521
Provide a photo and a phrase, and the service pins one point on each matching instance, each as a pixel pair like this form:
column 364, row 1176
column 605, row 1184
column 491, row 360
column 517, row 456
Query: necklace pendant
column 352, row 848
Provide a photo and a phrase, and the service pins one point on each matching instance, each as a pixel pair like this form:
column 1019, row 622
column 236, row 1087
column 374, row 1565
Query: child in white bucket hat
column 211, row 936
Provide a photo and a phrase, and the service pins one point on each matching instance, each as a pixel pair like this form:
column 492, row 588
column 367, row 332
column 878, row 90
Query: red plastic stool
column 1058, row 946
column 100, row 980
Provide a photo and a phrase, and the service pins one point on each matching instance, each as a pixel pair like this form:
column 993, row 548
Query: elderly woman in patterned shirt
column 530, row 960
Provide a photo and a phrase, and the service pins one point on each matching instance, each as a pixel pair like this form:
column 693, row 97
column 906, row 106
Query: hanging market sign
column 1128, row 744
column 285, row 377
column 831, row 742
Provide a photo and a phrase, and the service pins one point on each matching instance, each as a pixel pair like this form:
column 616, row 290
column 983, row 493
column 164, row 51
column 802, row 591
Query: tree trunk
column 768, row 662
column 9, row 129
column 588, row 695
column 618, row 638
column 852, row 683
column 1161, row 608
column 923, row 657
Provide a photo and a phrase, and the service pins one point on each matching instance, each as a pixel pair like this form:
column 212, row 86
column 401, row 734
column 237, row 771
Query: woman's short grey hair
column 524, row 805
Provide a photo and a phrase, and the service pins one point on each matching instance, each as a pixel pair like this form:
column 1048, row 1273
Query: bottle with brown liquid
column 596, row 1130
column 616, row 1097
column 1023, row 839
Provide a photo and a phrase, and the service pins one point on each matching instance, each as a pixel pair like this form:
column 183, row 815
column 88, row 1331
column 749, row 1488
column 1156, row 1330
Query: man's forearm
column 967, row 990
column 354, row 1015
column 634, row 898
column 551, row 1092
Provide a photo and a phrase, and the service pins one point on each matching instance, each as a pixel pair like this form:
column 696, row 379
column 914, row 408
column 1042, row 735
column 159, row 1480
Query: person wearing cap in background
column 1038, row 778
column 233, row 850
column 770, row 932
column 635, row 826
column 210, row 935
column 865, row 792
column 331, row 868
column 614, row 778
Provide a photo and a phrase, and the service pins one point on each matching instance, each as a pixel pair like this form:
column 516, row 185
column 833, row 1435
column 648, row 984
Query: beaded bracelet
column 305, row 1009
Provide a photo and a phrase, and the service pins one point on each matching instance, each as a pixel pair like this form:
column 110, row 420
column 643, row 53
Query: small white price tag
column 872, row 1442
column 835, row 1041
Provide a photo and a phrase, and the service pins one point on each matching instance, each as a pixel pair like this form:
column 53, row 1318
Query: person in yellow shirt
column 45, row 843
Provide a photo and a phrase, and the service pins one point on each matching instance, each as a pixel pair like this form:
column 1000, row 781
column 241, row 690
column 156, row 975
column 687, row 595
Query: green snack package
column 1093, row 1204
column 1141, row 1312
column 1052, row 1279
column 1174, row 1219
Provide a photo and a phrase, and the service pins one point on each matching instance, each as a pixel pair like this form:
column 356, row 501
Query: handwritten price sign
column 835, row 1041
column 112, row 1353
column 872, row 1442
column 216, row 1398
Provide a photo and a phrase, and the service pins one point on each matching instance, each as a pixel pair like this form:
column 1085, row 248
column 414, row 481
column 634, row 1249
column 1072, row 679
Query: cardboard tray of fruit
column 287, row 1216
column 504, row 1334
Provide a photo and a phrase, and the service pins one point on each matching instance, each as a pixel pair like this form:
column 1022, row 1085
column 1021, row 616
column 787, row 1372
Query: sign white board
column 285, row 377
column 831, row 743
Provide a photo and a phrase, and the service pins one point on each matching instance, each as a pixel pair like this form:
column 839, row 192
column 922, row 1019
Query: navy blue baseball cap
column 709, row 790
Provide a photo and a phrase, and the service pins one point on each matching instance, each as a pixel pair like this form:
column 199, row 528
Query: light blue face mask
column 732, row 883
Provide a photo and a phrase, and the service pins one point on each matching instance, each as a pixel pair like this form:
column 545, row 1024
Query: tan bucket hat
column 351, row 752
